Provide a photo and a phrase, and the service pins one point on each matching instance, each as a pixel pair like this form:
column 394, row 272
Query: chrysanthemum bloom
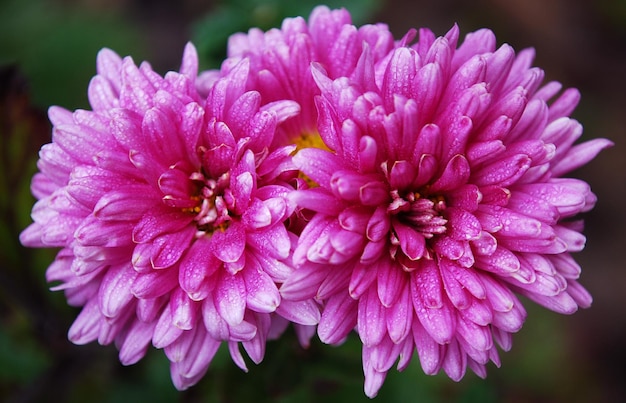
column 441, row 199
column 169, row 211
column 280, row 61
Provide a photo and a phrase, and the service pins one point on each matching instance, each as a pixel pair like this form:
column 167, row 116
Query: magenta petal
column 536, row 208
column 278, row 270
column 367, row 154
column 191, row 356
column 273, row 242
column 455, row 291
column 500, row 297
column 242, row 111
column 580, row 155
column 478, row 337
column 129, row 204
column 257, row 215
column 465, row 197
column 373, row 380
column 168, row 248
column 373, row 251
column 157, row 126
column 575, row 240
column 565, row 104
column 562, row 303
column 412, row 242
column 363, row 276
column 564, row 264
column 399, row 74
column 236, row 266
column 463, row 225
column 318, row 200
column 93, row 231
column 371, row 323
column 244, row 331
column 373, row 194
column 255, row 347
column 383, row 355
column 400, row 315
column 427, row 164
column 502, row 262
column 236, row 356
column 148, row 310
column 454, row 361
column 242, row 187
column 567, row 195
column 229, row 243
column 354, row 218
column 177, row 188
column 304, row 312
column 335, row 281
column 140, row 259
column 429, row 351
column 154, row 283
column 319, row 165
column 184, row 310
column 196, row 266
column 102, row 95
column 158, row 221
column 217, row 159
column 435, row 314
column 215, row 325
column 80, row 142
column 230, row 298
column 304, row 282
column 136, row 342
column 479, row 312
column 338, row 319
column 88, row 184
column 502, row 172
column 33, row 236
column 579, row 294
column 428, row 288
column 510, row 321
column 378, row 225
column 165, row 333
column 346, row 243
column 115, row 290
column 391, row 281
column 261, row 292
column 455, row 174
column 86, row 326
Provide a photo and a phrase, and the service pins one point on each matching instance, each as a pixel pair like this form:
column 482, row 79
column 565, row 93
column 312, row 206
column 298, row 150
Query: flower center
column 214, row 200
column 423, row 214
column 310, row 140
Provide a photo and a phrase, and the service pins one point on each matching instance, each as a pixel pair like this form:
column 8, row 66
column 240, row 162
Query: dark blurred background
column 47, row 56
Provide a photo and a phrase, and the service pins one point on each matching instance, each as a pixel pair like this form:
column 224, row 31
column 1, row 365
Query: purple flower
column 169, row 210
column 442, row 198
column 280, row 62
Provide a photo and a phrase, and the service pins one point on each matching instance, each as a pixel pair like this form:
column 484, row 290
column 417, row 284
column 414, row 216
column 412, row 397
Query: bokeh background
column 47, row 56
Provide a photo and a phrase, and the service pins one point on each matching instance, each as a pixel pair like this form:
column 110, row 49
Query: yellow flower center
column 310, row 140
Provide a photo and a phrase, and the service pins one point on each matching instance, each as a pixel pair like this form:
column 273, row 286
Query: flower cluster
column 326, row 175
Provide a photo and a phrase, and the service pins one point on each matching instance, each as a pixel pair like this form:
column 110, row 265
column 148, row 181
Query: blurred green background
column 47, row 56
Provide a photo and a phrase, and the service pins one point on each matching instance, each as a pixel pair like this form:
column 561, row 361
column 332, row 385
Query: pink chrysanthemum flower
column 169, row 210
column 442, row 198
column 280, row 61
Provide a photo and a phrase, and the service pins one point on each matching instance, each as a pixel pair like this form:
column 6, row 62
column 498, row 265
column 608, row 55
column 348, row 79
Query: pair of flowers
column 327, row 176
